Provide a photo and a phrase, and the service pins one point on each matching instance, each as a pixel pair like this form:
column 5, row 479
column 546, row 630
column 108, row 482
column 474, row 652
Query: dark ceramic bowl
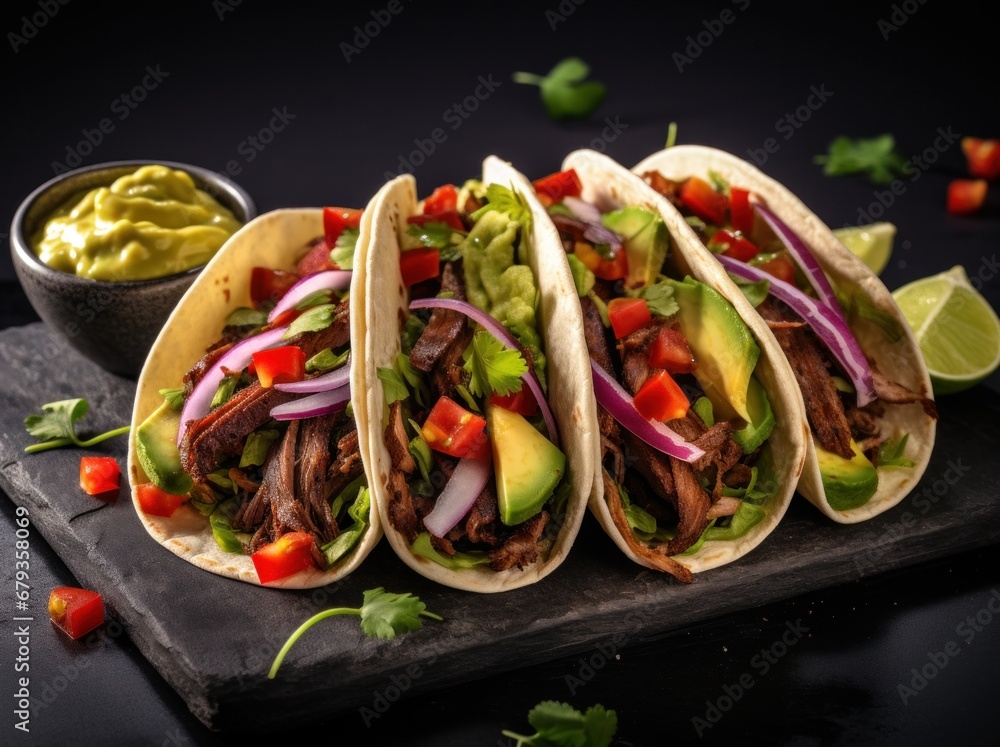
column 114, row 323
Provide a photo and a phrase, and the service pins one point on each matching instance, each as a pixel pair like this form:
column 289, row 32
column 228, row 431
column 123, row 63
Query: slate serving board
column 213, row 638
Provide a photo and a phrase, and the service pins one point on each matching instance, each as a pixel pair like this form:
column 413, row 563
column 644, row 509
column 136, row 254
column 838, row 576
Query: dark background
column 229, row 66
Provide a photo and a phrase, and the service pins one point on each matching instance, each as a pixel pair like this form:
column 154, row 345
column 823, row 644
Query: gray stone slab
column 213, row 638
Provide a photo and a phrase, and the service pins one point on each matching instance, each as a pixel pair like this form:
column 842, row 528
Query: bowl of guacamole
column 105, row 252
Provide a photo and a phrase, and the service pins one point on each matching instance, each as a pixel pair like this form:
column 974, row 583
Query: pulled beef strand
column 444, row 325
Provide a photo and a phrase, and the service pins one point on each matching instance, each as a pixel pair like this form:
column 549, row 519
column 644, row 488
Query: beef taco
column 476, row 392
column 860, row 374
column 244, row 457
column 700, row 439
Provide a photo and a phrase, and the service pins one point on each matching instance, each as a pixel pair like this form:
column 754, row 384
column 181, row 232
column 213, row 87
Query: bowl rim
column 21, row 246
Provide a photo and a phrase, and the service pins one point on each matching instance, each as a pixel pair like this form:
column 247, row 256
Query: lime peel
column 872, row 244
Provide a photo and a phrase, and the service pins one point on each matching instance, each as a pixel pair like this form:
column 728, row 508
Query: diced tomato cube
column 156, row 501
column 983, row 157
column 670, row 351
column 316, row 260
column 417, row 265
column 280, row 365
column 453, row 430
column 740, row 210
column 100, row 476
column 739, row 247
column 289, row 554
column 699, row 197
column 627, row 315
column 442, row 199
column 661, row 399
column 522, row 402
column 781, row 267
column 75, row 611
column 966, row 196
column 336, row 219
column 604, row 268
column 270, row 285
column 559, row 185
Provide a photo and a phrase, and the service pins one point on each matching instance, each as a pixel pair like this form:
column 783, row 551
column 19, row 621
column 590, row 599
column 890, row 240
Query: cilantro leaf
column 561, row 725
column 754, row 292
column 494, row 367
column 439, row 236
column 311, row 320
column 246, row 317
column 326, row 360
column 174, row 396
column 875, row 156
column 506, row 201
column 393, row 388
column 257, row 445
column 660, row 298
column 342, row 254
column 56, row 426
column 383, row 615
column 226, row 388
column 890, row 453
column 565, row 91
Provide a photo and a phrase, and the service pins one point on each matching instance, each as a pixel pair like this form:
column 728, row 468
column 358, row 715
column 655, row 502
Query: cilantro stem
column 303, row 628
column 529, row 79
column 53, row 444
column 671, row 135
column 104, row 436
column 57, row 443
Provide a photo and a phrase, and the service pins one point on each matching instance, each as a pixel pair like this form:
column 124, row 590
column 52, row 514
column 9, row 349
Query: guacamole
column 148, row 224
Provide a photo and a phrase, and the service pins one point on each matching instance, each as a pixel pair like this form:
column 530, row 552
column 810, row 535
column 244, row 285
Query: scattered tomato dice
column 100, row 476
column 966, row 196
column 290, row 553
column 983, row 157
column 75, row 611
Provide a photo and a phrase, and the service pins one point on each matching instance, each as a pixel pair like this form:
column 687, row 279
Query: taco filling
column 477, row 475
column 675, row 353
column 845, row 395
column 259, row 437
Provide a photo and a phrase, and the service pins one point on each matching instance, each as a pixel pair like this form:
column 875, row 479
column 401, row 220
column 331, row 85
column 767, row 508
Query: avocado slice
column 156, row 448
column 646, row 242
column 848, row 483
column 761, row 422
column 528, row 466
column 725, row 350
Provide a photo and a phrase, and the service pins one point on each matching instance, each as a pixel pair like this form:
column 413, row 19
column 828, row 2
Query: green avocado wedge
column 848, row 483
column 156, row 449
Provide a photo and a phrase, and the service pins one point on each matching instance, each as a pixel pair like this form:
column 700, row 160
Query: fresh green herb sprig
column 875, row 156
column 890, row 453
column 565, row 91
column 494, row 367
column 56, row 426
column 561, row 725
column 383, row 615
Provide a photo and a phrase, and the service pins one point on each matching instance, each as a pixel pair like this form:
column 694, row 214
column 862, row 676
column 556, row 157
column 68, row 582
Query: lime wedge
column 958, row 331
column 872, row 244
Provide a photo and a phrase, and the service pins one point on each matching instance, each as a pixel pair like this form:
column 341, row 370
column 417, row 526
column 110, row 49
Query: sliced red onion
column 593, row 232
column 582, row 210
column 322, row 383
column 828, row 325
column 313, row 406
column 802, row 256
column 458, row 495
column 328, row 280
column 500, row 332
column 239, row 357
column 618, row 402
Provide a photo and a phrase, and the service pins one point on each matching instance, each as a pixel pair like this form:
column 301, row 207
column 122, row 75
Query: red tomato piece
column 99, row 475
column 336, row 219
column 740, row 210
column 559, row 185
column 417, row 265
column 156, row 501
column 442, row 199
column 270, row 285
column 966, row 196
column 317, row 260
column 285, row 317
column 451, row 429
column 781, row 267
column 606, row 269
column 669, row 351
column 627, row 315
column 280, row 365
column 661, row 399
column 522, row 402
column 739, row 247
column 983, row 157
column 451, row 217
column 699, row 197
column 290, row 553
column 76, row 611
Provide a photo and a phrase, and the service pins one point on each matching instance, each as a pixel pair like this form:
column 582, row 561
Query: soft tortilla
column 275, row 240
column 898, row 359
column 384, row 299
column 608, row 185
